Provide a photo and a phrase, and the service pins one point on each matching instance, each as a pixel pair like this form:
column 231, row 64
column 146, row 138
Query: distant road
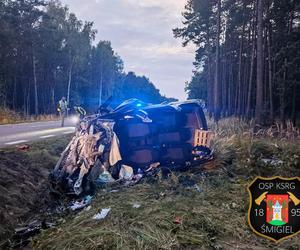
column 14, row 134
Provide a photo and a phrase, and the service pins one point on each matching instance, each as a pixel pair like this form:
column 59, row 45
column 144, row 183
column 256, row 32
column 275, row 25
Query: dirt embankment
column 23, row 182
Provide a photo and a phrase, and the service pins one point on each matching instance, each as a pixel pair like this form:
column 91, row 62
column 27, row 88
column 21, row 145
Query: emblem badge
column 274, row 210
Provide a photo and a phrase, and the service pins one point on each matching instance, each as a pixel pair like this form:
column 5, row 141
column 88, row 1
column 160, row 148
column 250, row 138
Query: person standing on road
column 62, row 109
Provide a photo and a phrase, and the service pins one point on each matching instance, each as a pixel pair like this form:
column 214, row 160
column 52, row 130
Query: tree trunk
column 293, row 113
column 230, row 87
column 270, row 77
column 53, row 93
column 5, row 92
column 69, row 84
column 28, row 103
column 15, row 93
column 244, row 89
column 36, row 104
column 100, row 88
column 239, row 87
column 210, row 91
column 282, row 96
column 53, row 101
column 217, row 85
column 259, row 66
column 224, row 85
column 250, row 84
column 24, row 102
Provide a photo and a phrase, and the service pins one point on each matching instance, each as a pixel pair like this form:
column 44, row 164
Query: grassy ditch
column 23, row 182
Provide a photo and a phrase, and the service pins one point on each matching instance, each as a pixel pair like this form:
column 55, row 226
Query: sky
column 141, row 34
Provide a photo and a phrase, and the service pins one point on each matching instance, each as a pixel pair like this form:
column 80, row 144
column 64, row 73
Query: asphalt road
column 14, row 134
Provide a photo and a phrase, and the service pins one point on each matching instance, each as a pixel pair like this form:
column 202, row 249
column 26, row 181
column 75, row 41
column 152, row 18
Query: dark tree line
column 46, row 52
column 247, row 59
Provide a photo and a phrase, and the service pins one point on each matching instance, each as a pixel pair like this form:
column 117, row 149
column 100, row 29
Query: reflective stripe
column 63, row 105
column 81, row 110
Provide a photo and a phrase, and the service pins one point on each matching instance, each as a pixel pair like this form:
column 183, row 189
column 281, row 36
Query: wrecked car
column 130, row 141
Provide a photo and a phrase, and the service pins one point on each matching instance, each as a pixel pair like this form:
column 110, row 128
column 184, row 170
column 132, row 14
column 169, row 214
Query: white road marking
column 15, row 142
column 68, row 132
column 46, row 136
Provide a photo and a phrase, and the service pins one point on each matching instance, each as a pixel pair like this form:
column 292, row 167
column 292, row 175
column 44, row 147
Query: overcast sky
column 141, row 33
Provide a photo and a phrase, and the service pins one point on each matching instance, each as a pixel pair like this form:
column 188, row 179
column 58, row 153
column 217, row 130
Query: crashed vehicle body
column 142, row 136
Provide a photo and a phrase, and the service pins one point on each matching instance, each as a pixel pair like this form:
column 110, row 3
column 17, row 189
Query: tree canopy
column 46, row 52
column 249, row 65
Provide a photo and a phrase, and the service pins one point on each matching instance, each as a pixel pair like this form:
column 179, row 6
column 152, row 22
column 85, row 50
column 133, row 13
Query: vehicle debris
column 178, row 220
column 25, row 232
column 126, row 173
column 136, row 205
column 102, row 214
column 129, row 142
column 197, row 188
column 81, row 203
column 23, row 147
column 105, row 177
column 272, row 161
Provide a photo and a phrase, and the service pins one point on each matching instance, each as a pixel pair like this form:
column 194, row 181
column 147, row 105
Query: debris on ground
column 136, row 205
column 197, row 188
column 102, row 214
column 23, row 147
column 88, row 208
column 178, row 220
column 25, row 232
column 126, row 173
column 104, row 177
column 272, row 161
column 81, row 203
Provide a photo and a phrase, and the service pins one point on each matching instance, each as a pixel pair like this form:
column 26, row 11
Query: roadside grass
column 176, row 214
column 23, row 181
column 8, row 116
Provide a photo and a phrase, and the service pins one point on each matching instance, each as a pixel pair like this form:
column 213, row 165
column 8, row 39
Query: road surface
column 14, row 134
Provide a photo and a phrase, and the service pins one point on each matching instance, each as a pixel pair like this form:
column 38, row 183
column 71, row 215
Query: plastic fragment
column 136, row 205
column 197, row 188
column 105, row 177
column 273, row 162
column 82, row 203
column 126, row 172
column 102, row 214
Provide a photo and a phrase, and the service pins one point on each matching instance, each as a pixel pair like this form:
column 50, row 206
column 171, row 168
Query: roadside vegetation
column 205, row 207
column 194, row 209
column 8, row 116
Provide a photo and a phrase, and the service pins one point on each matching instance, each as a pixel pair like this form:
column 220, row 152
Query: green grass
column 215, row 218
